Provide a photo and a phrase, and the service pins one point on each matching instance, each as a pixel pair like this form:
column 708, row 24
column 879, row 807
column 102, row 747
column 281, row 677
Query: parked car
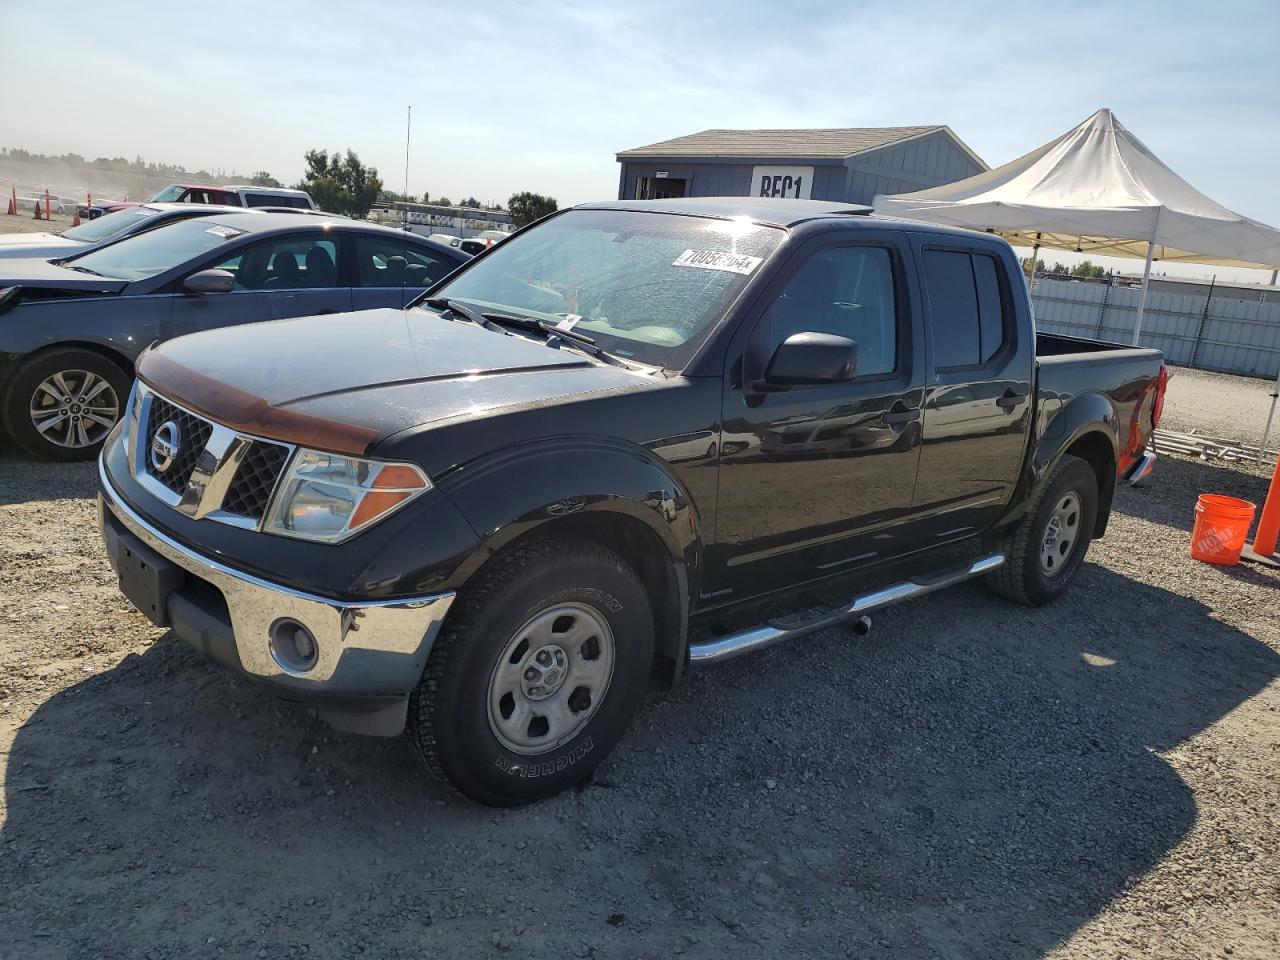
column 491, row 518
column 473, row 245
column 246, row 196
column 448, row 239
column 70, row 330
column 30, row 202
column 113, row 226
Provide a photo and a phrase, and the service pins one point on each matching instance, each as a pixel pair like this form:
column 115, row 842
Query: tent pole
column 1035, row 253
column 1146, row 279
column 1266, row 434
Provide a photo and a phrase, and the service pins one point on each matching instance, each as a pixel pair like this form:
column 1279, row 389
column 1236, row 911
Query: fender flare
column 1082, row 416
column 571, row 482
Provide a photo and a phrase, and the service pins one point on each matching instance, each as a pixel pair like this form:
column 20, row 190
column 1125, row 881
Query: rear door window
column 966, row 307
column 387, row 262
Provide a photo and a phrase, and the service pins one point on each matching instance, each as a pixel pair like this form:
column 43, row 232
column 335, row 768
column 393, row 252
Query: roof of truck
column 771, row 211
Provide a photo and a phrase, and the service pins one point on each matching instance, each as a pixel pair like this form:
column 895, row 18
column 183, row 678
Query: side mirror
column 812, row 358
column 209, row 281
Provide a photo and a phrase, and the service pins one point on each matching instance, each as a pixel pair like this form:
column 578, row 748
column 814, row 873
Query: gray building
column 844, row 165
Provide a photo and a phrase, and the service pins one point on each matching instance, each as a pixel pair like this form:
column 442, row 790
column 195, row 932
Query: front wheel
column 62, row 404
column 536, row 674
column 1044, row 550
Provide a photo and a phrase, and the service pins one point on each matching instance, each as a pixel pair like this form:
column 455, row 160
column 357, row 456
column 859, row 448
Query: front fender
column 511, row 493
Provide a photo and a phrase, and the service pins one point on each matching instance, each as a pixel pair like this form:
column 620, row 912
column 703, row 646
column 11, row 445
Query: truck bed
column 1123, row 378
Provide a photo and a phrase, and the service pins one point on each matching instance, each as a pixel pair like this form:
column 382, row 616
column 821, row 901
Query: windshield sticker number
column 717, row 260
column 226, row 233
column 569, row 320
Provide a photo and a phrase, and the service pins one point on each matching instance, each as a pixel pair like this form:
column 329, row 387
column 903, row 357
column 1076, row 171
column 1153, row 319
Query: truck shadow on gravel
column 972, row 780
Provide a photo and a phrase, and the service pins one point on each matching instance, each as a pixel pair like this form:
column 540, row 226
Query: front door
column 818, row 479
column 977, row 404
column 290, row 276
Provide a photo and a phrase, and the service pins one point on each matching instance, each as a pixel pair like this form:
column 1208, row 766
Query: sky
column 540, row 96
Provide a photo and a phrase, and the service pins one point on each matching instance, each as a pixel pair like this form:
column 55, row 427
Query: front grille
column 255, row 479
column 196, row 483
column 193, row 435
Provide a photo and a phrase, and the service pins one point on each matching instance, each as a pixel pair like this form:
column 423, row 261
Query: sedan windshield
column 154, row 252
column 649, row 286
column 109, row 225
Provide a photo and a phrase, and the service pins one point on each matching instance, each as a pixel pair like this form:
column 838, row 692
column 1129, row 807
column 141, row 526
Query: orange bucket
column 1220, row 528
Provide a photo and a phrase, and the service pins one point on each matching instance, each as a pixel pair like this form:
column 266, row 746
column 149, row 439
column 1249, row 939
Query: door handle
column 897, row 415
column 1010, row 400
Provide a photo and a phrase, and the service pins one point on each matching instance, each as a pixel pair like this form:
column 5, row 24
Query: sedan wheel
column 74, row 409
column 62, row 404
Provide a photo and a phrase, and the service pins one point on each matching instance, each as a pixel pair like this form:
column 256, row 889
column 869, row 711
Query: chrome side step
column 757, row 638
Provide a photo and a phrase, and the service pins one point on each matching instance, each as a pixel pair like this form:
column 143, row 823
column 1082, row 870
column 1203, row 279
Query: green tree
column 264, row 179
column 469, row 202
column 527, row 207
column 340, row 184
column 1086, row 269
column 442, row 202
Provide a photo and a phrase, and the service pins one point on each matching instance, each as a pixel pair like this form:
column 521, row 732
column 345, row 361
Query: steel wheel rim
column 74, row 408
column 551, row 678
column 1061, row 534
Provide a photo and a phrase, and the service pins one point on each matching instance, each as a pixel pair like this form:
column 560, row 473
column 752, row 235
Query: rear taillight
column 1157, row 409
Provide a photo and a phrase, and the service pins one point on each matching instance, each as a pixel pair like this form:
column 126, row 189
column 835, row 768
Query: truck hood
column 343, row 382
column 40, row 273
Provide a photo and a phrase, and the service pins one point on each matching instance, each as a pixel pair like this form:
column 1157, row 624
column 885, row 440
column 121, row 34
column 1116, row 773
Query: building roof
column 834, row 143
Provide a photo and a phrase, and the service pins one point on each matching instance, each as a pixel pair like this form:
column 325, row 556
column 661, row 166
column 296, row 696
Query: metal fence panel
column 1229, row 335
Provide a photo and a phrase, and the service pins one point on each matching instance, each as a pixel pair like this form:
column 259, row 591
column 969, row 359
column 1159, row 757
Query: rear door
column 817, row 479
column 977, row 406
column 389, row 271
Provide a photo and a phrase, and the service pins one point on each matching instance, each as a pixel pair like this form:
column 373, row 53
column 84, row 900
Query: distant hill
column 72, row 175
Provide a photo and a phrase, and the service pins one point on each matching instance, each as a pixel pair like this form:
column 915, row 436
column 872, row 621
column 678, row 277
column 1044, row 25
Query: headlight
column 328, row 497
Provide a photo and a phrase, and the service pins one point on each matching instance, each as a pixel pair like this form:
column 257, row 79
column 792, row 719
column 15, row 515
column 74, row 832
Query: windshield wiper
column 462, row 310
column 71, row 266
column 579, row 341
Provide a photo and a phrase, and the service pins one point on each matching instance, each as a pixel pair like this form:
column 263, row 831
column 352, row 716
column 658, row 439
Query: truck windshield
column 151, row 253
column 648, row 286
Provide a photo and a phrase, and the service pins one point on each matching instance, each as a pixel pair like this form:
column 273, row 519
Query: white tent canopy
column 1096, row 189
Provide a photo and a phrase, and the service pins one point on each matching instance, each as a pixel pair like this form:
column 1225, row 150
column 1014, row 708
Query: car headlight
column 329, row 497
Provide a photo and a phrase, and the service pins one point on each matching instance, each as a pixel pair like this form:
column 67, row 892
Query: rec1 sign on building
column 793, row 182
column 844, row 165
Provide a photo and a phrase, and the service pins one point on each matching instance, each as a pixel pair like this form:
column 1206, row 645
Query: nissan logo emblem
column 165, row 445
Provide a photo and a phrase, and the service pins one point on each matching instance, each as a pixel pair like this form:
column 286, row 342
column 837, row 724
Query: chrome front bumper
column 365, row 647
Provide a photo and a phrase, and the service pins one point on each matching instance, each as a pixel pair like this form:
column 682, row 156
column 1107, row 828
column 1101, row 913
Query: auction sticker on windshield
column 226, row 233
column 717, row 260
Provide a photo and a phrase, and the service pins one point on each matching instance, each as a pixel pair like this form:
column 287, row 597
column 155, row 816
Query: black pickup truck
column 493, row 518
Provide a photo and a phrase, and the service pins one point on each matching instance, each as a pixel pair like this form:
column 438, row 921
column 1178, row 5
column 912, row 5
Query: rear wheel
column 1044, row 550
column 62, row 404
column 536, row 674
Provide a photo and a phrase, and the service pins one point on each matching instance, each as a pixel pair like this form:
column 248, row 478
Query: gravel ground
column 1095, row 779
column 1219, row 405
column 26, row 223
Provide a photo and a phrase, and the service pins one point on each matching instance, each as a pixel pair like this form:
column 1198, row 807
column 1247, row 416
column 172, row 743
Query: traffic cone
column 1263, row 548
column 13, row 202
column 75, row 221
column 36, row 205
